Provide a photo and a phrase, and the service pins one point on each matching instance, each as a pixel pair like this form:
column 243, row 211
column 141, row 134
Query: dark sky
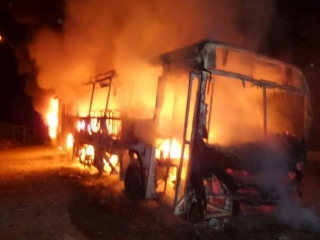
column 294, row 37
column 16, row 106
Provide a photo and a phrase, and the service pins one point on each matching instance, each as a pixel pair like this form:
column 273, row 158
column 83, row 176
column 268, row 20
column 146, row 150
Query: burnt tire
column 133, row 182
column 195, row 214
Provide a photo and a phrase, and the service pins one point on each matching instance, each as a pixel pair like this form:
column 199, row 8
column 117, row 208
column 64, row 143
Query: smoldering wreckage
column 229, row 133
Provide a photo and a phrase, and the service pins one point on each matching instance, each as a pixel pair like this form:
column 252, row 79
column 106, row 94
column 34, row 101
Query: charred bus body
column 228, row 131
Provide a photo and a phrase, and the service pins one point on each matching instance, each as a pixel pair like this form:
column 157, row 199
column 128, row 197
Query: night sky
column 294, row 37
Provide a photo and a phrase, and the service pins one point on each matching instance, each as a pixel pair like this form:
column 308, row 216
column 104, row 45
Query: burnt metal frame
column 101, row 79
column 200, row 109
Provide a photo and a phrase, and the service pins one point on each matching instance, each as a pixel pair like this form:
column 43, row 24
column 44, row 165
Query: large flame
column 168, row 149
column 69, row 141
column 52, row 117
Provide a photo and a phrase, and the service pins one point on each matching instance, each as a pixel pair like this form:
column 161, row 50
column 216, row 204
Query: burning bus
column 229, row 127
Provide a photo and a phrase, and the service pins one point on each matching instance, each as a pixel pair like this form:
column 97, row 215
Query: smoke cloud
column 98, row 36
column 271, row 160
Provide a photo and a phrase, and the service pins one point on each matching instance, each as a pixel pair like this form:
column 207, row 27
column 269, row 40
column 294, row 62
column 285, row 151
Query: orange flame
column 52, row 117
column 114, row 159
column 81, row 125
column 69, row 141
column 168, row 148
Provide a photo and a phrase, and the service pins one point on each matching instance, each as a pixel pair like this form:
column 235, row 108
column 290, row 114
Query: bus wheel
column 195, row 212
column 133, row 181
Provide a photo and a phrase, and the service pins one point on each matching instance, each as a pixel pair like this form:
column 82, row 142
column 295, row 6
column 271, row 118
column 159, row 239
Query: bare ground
column 45, row 195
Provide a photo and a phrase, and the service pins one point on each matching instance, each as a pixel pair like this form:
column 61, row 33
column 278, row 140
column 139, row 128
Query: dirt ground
column 46, row 195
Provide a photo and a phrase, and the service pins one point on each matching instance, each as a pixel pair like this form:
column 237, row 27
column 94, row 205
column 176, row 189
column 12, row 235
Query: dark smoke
column 101, row 35
column 270, row 160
